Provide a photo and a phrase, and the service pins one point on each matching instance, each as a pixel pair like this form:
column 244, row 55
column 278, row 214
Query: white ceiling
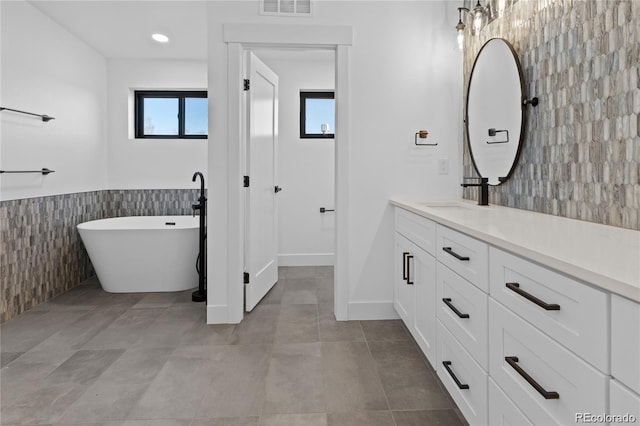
column 122, row 29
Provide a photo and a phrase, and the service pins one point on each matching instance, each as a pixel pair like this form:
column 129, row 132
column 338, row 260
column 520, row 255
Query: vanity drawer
column 469, row 323
column 625, row 341
column 580, row 323
column 502, row 411
column 472, row 400
column 418, row 229
column 515, row 344
column 623, row 401
column 464, row 255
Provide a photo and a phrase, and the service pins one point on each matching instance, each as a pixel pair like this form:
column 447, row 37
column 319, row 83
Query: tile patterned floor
column 94, row 358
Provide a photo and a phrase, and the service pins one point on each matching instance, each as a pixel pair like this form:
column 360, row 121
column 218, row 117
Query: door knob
column 277, row 189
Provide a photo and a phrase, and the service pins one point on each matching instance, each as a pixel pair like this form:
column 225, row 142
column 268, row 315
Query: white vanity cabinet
column 442, row 300
column 462, row 284
column 404, row 294
column 572, row 313
column 503, row 410
column 535, row 322
column 548, row 340
column 623, row 402
column 625, row 357
column 464, row 255
column 462, row 309
column 545, row 380
column 464, row 378
column 415, row 276
column 625, row 342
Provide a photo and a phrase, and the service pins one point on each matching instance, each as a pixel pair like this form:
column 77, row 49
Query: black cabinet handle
column 530, row 297
column 409, row 270
column 404, row 265
column 454, row 254
column 513, row 362
column 447, row 302
column 453, row 376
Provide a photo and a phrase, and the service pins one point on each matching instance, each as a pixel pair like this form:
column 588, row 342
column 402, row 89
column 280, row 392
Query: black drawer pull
column 453, row 376
column 513, row 362
column 404, row 265
column 447, row 302
column 547, row 306
column 454, row 254
column 409, row 271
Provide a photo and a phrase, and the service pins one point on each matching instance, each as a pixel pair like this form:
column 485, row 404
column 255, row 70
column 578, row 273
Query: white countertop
column 604, row 256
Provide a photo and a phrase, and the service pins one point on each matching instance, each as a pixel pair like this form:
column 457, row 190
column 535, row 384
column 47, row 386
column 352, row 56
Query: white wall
column 151, row 163
column 46, row 70
column 405, row 75
column 305, row 166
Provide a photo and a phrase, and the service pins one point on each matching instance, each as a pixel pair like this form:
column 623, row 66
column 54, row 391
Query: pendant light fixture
column 460, row 27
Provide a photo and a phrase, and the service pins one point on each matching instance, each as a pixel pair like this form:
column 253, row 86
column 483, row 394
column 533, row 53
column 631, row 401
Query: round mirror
column 495, row 116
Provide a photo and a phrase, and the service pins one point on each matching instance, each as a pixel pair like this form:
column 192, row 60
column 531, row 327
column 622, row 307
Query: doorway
column 225, row 302
column 304, row 177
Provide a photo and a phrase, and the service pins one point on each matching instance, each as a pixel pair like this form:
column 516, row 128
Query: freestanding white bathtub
column 143, row 253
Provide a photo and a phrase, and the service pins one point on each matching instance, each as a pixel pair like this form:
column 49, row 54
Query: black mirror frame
column 523, row 104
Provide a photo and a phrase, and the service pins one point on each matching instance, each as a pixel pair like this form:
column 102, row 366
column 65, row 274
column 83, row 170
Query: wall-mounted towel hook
column 44, row 117
column 423, row 135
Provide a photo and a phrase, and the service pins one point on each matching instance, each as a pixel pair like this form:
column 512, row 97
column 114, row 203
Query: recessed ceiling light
column 160, row 38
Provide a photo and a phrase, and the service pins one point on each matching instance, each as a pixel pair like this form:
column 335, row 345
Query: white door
column 261, row 245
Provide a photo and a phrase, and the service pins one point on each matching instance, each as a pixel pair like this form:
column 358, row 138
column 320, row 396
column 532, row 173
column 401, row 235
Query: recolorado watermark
column 605, row 418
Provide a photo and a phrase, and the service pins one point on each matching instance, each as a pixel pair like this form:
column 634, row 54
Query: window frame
column 304, row 95
column 181, row 95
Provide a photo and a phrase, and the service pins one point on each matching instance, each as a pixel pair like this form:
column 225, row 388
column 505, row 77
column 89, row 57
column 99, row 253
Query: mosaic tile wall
column 581, row 152
column 41, row 254
column 151, row 202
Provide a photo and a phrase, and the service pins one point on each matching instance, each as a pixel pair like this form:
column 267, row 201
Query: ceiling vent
column 286, row 7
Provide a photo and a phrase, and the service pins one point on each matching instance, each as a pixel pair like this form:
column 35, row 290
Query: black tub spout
column 193, row 179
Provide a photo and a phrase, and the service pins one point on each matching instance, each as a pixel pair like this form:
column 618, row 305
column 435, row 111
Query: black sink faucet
column 483, row 192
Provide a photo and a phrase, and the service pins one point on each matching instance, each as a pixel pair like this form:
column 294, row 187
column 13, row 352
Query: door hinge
column 246, row 182
column 247, row 84
column 246, row 278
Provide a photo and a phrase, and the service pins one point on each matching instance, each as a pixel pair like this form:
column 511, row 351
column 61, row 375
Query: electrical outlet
column 443, row 166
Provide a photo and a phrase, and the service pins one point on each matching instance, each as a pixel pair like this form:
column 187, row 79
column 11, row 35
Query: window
column 317, row 115
column 171, row 114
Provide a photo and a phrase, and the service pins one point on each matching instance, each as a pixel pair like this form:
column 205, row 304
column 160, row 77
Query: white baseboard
column 217, row 314
column 372, row 311
column 310, row 259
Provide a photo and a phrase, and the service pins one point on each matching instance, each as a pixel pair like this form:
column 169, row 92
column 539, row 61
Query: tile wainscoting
column 581, row 150
column 41, row 254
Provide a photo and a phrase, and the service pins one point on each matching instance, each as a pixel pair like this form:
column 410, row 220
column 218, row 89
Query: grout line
column 324, row 393
column 384, row 392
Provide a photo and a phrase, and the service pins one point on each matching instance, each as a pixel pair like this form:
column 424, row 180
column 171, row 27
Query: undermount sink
column 447, row 205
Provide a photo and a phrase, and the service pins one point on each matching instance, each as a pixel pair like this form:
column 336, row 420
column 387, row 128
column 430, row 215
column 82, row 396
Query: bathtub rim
column 132, row 223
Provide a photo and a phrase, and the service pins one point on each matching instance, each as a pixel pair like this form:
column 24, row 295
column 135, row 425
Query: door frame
column 239, row 38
